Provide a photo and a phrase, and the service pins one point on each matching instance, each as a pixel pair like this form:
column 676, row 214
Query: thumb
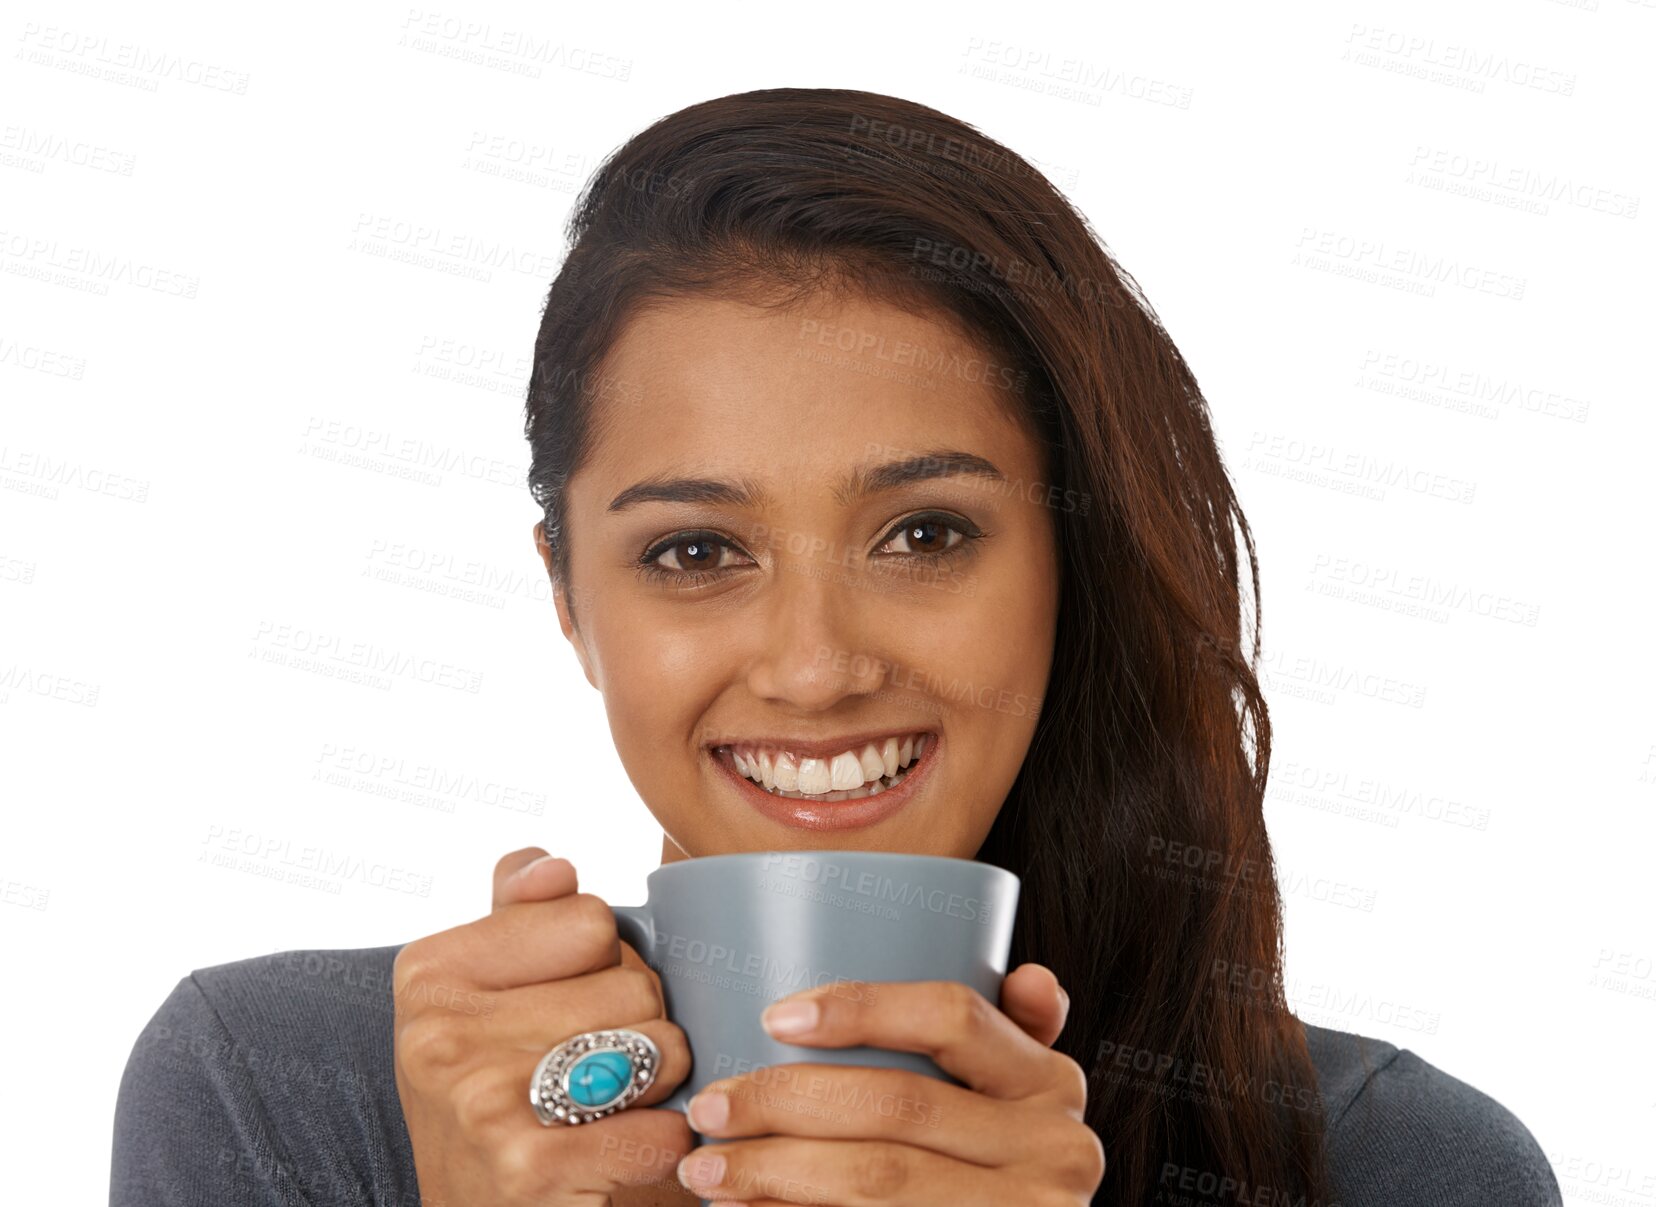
column 1032, row 998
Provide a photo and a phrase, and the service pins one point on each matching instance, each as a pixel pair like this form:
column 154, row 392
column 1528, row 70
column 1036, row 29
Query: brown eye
column 692, row 553
column 926, row 535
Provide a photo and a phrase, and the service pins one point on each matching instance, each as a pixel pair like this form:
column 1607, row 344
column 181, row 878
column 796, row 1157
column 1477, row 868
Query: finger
column 637, row 1145
column 531, row 875
column 863, row 1173
column 520, row 943
column 631, row 959
column 1032, row 997
column 534, row 1017
column 859, row 1102
column 954, row 1024
column 509, row 1073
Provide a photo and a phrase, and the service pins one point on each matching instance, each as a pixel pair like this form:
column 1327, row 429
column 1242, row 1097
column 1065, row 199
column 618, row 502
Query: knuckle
column 520, row 1169
column 1072, row 1082
column 1081, row 1157
column 969, row 1010
column 881, row 1172
column 593, row 921
column 430, row 1045
column 479, row 1101
column 413, row 964
column 675, row 1040
column 639, row 992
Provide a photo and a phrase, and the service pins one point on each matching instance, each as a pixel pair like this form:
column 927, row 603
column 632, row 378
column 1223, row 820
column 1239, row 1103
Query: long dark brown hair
column 1136, row 821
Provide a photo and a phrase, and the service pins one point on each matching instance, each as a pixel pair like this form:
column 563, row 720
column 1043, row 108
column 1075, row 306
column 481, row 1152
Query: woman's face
column 800, row 533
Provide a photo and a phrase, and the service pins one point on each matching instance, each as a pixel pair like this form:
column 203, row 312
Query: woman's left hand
column 857, row 1136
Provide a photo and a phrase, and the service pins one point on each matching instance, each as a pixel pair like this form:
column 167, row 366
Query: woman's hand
column 857, row 1136
column 478, row 1005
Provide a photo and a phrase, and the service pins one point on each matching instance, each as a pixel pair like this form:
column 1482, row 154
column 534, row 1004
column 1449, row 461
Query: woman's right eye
column 689, row 556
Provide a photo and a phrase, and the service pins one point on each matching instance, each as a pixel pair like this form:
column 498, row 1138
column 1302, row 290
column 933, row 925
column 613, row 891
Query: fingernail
column 701, row 1170
column 709, row 1111
column 791, row 1018
column 533, row 864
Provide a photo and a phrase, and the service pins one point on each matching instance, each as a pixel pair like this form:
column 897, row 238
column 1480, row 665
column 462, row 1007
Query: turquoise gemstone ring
column 593, row 1074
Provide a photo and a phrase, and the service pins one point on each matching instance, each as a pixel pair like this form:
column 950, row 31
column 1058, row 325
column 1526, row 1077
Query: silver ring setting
column 593, row 1074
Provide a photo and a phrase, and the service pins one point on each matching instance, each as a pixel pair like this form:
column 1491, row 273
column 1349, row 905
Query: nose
column 813, row 637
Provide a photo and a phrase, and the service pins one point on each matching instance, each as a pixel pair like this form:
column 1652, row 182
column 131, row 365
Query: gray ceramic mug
column 730, row 934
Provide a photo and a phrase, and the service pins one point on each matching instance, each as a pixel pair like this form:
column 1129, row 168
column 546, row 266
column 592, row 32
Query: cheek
column 656, row 680
column 1007, row 638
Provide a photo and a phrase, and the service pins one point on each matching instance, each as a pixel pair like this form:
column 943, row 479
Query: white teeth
column 814, row 776
column 786, row 772
column 873, row 766
column 851, row 773
column 845, row 771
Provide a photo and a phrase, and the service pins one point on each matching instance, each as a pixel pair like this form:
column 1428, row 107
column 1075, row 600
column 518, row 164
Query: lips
column 873, row 802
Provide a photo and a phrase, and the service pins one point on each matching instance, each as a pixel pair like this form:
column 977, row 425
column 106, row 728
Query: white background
column 1416, row 291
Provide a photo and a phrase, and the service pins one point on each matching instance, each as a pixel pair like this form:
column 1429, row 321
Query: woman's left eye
column 922, row 533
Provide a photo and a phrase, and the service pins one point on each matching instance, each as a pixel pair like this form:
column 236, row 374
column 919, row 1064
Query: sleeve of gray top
column 190, row 1129
column 1414, row 1134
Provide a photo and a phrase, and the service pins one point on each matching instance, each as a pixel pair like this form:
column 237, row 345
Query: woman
column 884, row 514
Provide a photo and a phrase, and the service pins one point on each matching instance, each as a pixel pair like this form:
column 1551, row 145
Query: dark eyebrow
column 862, row 480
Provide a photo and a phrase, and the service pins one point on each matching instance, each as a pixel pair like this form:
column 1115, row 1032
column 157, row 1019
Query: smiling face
column 798, row 534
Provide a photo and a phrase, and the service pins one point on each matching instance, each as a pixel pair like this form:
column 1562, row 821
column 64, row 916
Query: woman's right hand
column 478, row 1005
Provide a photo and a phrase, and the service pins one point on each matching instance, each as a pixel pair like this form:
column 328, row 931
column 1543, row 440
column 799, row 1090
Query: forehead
column 704, row 382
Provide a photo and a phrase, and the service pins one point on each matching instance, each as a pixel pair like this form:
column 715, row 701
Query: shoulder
column 266, row 1080
column 1402, row 1131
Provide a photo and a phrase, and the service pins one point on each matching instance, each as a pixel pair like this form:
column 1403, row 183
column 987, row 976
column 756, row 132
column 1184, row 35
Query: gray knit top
column 268, row 1081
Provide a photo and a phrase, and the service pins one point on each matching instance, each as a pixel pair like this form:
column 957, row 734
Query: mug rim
column 878, row 856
